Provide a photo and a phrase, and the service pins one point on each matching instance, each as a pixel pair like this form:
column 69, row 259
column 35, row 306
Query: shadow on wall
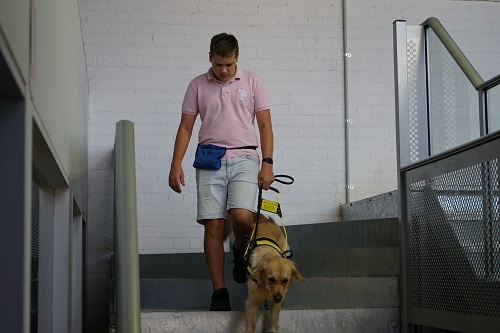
column 100, row 234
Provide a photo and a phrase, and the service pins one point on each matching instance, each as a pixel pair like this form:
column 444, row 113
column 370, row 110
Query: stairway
column 352, row 272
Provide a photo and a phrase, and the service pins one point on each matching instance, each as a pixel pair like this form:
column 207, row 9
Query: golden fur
column 272, row 274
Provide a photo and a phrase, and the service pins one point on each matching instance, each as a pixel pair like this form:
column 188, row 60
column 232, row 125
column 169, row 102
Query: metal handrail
column 455, row 51
column 453, row 151
column 439, row 164
column 494, row 81
column 126, row 255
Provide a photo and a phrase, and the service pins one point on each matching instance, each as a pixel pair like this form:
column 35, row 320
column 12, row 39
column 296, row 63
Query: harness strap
column 268, row 242
column 273, row 207
column 262, row 241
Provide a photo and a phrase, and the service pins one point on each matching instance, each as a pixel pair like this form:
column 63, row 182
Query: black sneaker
column 239, row 269
column 220, row 300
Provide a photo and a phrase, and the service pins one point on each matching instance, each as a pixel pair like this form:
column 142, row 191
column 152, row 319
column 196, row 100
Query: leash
column 272, row 207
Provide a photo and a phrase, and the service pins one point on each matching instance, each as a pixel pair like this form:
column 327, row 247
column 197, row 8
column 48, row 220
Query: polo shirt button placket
column 225, row 91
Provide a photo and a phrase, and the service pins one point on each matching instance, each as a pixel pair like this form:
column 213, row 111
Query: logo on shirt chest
column 242, row 95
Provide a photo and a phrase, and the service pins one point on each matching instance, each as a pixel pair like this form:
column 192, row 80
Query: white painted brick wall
column 142, row 54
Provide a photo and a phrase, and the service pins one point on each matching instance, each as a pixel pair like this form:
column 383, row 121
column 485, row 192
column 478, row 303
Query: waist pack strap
column 244, row 147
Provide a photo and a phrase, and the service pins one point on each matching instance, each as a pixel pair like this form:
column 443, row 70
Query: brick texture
column 142, row 54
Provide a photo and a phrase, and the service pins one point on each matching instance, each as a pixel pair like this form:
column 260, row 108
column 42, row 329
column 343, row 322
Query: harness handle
column 289, row 181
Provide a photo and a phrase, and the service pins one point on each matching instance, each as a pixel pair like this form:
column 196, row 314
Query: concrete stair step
column 384, row 320
column 348, row 262
column 315, row 293
column 352, row 272
column 348, row 234
column 377, row 261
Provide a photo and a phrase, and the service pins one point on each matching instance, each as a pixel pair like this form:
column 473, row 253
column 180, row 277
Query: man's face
column 224, row 67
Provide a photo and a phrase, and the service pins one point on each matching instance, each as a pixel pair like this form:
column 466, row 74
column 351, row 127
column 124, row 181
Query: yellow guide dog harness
column 272, row 207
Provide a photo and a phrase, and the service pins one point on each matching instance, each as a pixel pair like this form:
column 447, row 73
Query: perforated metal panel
column 35, row 219
column 454, row 241
column 412, row 58
column 413, row 115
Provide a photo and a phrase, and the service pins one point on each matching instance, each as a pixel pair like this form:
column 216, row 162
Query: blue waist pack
column 208, row 157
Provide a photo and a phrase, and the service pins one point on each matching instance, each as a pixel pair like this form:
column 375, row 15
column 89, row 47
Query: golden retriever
column 272, row 274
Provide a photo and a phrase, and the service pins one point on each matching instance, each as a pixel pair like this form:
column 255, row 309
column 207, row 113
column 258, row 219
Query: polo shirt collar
column 211, row 76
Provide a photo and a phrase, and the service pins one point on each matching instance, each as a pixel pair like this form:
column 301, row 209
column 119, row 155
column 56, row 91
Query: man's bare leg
column 242, row 227
column 214, row 255
column 214, row 251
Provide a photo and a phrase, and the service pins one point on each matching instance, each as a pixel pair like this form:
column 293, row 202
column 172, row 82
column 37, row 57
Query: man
column 228, row 100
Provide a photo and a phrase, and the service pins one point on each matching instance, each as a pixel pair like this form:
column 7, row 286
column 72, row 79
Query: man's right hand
column 176, row 175
column 176, row 178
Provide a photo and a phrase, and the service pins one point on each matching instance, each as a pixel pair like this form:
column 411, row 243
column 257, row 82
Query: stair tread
column 318, row 321
column 347, row 234
column 378, row 261
column 316, row 292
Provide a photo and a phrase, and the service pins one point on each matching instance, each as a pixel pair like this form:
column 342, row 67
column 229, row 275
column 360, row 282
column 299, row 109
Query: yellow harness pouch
column 270, row 206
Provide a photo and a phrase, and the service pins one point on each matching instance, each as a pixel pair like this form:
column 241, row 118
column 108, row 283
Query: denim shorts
column 234, row 185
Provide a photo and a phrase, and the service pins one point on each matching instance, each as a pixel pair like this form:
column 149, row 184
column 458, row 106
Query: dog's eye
column 285, row 280
column 272, row 280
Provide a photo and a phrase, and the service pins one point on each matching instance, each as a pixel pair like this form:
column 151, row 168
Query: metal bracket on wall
column 393, row 327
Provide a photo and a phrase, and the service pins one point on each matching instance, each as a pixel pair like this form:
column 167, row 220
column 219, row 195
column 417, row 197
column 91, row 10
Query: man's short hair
column 224, row 45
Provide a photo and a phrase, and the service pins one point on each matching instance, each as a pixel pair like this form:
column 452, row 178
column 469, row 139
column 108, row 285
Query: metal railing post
column 401, row 87
column 126, row 242
column 403, row 153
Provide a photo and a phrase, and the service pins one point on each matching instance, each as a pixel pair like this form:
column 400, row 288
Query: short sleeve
column 190, row 103
column 261, row 101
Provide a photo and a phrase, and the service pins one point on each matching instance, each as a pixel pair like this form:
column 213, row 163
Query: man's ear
column 210, row 56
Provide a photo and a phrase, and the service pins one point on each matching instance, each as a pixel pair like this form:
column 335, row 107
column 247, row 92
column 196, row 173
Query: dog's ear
column 257, row 276
column 296, row 274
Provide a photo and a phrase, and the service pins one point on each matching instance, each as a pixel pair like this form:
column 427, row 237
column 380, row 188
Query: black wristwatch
column 268, row 160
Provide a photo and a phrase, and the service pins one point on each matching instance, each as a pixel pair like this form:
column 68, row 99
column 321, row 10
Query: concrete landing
column 385, row 320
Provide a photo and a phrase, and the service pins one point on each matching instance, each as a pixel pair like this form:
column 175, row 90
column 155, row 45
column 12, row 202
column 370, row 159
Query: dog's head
column 274, row 275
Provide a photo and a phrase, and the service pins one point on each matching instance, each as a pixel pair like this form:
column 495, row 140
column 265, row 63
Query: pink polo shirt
column 227, row 111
